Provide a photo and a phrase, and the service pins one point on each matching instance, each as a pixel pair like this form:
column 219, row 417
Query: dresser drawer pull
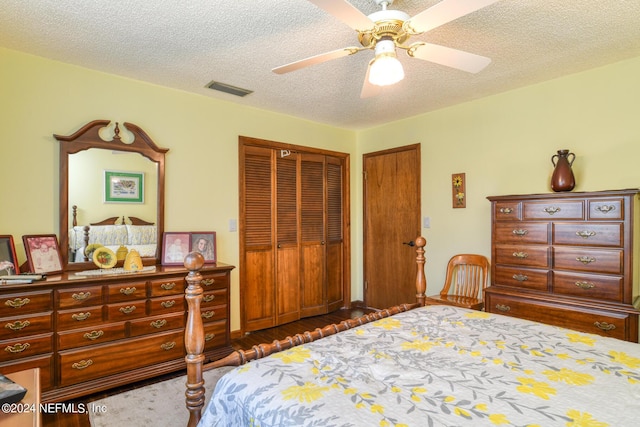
column 520, row 232
column 521, row 255
column 208, row 282
column 93, row 335
column 209, row 337
column 503, row 308
column 82, row 364
column 586, row 259
column 552, row 210
column 585, row 234
column 208, row 314
column 17, row 302
column 17, row 348
column 168, row 286
column 168, row 345
column 81, row 296
column 605, row 326
column 128, row 291
column 158, row 323
column 520, row 277
column 168, row 304
column 81, row 316
column 128, row 309
column 506, row 211
column 606, row 208
column 208, row 298
column 585, row 285
column 17, row 325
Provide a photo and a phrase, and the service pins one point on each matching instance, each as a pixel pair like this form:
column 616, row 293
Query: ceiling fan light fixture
column 385, row 69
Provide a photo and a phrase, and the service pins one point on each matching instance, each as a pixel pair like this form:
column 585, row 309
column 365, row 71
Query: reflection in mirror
column 87, row 216
column 87, row 193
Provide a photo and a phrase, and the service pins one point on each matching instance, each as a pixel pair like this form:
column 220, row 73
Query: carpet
column 157, row 405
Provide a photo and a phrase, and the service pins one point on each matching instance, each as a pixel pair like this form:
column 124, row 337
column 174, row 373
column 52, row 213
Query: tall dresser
column 94, row 332
column 567, row 259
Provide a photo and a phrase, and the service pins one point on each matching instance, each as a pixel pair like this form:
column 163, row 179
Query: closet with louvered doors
column 292, row 225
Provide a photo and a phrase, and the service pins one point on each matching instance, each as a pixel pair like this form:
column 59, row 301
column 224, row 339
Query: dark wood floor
column 246, row 342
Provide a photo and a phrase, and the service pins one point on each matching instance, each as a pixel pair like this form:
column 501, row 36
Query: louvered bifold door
column 313, row 235
column 287, row 252
column 257, row 281
column 335, row 242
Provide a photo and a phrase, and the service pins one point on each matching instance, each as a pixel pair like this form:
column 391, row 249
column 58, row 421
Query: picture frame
column 123, row 187
column 204, row 242
column 175, row 246
column 8, row 259
column 458, row 191
column 43, row 253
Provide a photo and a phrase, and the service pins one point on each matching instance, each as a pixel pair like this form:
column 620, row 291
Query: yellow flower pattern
column 442, row 366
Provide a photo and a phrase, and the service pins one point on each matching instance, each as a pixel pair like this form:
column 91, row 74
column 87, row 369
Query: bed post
column 194, row 338
column 421, row 279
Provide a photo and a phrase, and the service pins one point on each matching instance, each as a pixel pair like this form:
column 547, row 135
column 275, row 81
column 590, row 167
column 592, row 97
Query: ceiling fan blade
column 368, row 89
column 443, row 12
column 317, row 59
column 453, row 58
column 346, row 12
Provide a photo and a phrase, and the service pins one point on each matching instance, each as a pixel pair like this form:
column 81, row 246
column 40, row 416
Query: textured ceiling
column 186, row 44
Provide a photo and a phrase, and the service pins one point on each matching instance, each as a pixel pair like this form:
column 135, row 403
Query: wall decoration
column 458, row 190
column 43, row 253
column 8, row 260
column 123, row 187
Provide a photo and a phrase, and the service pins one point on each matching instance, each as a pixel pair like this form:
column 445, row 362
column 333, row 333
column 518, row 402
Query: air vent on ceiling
column 233, row 90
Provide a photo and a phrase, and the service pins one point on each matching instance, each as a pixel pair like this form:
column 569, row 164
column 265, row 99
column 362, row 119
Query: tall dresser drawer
column 522, row 232
column 549, row 210
column 588, row 234
column 522, row 278
column 25, row 302
column 507, row 211
column 589, row 286
column 595, row 321
column 588, row 260
column 529, row 256
column 606, row 209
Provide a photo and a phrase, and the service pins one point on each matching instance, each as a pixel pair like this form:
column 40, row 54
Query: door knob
column 409, row 243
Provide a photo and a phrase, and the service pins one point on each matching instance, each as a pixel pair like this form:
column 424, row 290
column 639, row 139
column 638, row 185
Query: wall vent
column 233, row 90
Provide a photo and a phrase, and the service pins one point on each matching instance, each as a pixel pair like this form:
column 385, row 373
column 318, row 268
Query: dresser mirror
column 111, row 192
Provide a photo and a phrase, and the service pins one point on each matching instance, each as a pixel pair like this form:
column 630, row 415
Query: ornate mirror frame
column 89, row 137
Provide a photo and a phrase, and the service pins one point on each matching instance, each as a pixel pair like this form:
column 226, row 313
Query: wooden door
column 335, row 201
column 391, row 224
column 257, row 278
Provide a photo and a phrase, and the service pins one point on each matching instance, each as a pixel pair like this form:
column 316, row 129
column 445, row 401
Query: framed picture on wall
column 175, row 246
column 8, row 260
column 205, row 243
column 123, row 187
column 43, row 253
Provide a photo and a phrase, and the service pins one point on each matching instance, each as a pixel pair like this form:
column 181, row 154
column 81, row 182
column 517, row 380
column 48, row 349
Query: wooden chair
column 467, row 277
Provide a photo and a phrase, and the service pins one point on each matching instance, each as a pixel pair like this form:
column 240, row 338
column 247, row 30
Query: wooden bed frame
column 194, row 331
column 107, row 221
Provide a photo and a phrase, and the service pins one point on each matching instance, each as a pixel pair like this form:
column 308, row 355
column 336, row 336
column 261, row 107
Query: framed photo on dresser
column 43, row 253
column 8, row 260
column 205, row 243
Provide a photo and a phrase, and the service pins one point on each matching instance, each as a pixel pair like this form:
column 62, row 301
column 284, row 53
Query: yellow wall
column 503, row 143
column 40, row 97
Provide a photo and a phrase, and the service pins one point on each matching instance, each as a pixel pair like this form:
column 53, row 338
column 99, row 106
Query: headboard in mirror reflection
column 85, row 157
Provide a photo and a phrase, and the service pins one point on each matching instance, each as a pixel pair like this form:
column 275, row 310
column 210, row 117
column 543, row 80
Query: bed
column 113, row 232
column 416, row 365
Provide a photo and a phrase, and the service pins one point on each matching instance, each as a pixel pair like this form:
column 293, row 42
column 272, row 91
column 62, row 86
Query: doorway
column 391, row 223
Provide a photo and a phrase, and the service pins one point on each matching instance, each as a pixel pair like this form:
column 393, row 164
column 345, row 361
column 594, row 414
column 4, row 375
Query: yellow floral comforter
column 438, row 366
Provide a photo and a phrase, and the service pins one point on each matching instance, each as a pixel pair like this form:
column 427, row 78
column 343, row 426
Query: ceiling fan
column 387, row 30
